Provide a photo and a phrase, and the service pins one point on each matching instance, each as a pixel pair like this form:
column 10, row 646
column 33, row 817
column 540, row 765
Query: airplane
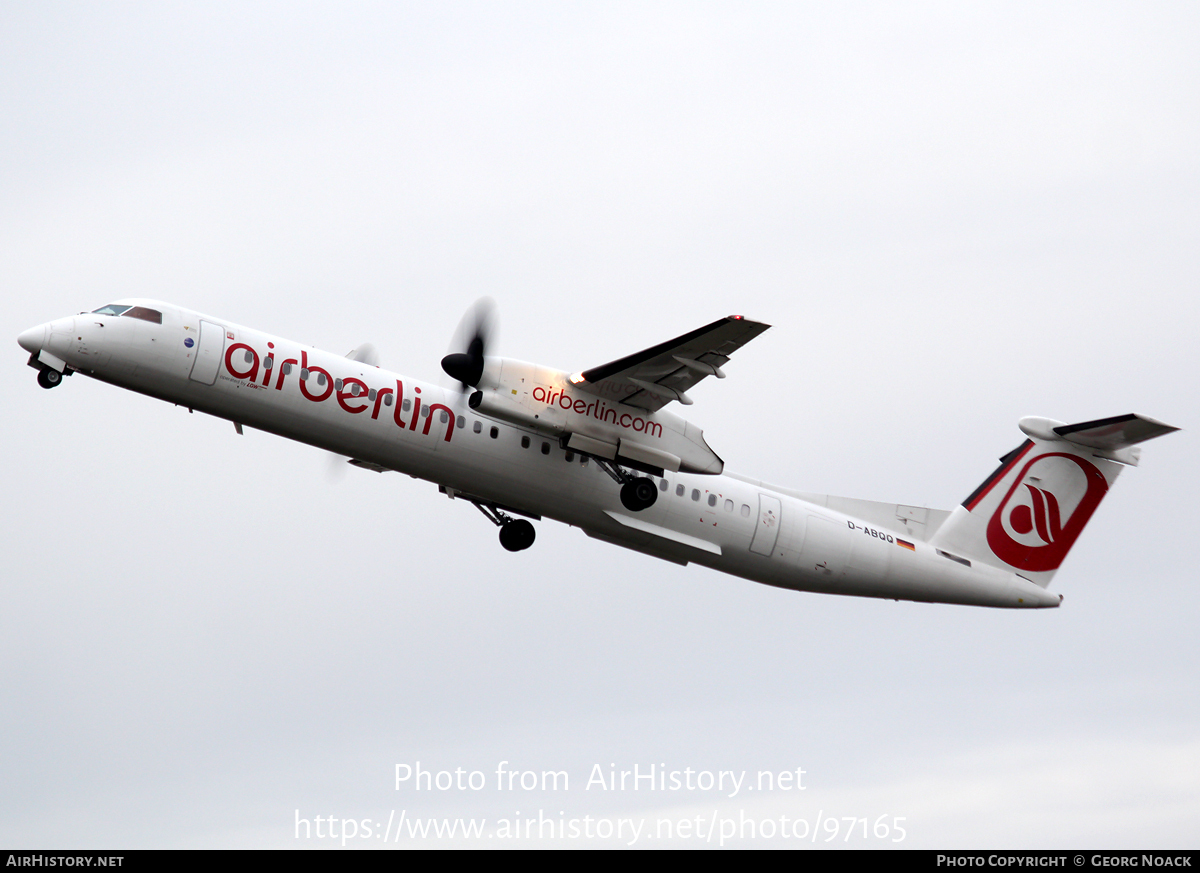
column 599, row 449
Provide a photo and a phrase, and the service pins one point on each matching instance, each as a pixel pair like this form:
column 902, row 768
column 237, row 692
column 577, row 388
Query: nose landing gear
column 517, row 534
column 49, row 378
column 50, row 368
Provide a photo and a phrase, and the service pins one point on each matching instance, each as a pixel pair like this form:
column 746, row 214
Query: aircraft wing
column 652, row 378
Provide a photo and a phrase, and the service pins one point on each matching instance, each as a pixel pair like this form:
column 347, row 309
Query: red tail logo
column 1047, row 506
column 1043, row 513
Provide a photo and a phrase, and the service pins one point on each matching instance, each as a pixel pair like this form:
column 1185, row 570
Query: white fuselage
column 726, row 522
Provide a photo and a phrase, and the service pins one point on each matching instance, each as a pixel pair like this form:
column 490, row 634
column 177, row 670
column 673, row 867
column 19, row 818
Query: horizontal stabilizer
column 1112, row 438
column 1114, row 433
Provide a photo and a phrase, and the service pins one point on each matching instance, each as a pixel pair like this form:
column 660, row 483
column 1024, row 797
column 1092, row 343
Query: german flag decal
column 905, row 544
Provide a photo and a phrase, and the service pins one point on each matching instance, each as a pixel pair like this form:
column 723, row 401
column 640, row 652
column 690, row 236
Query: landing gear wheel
column 638, row 494
column 48, row 378
column 516, row 536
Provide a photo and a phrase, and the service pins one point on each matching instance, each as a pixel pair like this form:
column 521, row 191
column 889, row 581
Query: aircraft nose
column 33, row 339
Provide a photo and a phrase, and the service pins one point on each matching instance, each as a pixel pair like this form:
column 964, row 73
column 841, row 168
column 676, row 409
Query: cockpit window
column 151, row 315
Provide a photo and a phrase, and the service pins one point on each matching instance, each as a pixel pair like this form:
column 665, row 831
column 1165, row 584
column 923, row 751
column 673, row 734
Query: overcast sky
column 954, row 215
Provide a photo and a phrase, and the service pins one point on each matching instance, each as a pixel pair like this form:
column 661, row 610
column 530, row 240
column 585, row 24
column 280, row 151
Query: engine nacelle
column 493, row 404
column 545, row 401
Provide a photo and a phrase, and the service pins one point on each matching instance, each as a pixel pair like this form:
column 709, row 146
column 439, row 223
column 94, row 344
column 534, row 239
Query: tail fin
column 1026, row 516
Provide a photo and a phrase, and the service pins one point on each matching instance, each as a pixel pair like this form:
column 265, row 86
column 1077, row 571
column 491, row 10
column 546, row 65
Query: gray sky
column 953, row 216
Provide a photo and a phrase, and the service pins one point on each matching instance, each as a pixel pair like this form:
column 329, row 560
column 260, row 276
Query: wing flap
column 654, row 377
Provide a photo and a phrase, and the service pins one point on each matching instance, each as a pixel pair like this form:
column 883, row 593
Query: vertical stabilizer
column 1026, row 516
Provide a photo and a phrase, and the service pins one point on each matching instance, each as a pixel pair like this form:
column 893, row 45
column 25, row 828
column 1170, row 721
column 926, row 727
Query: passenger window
column 445, row 417
column 249, row 356
column 569, row 457
column 387, row 399
column 304, row 374
column 679, row 489
column 729, row 506
column 745, row 511
column 545, row 448
column 712, row 500
column 477, row 426
column 695, row 494
column 269, row 362
column 321, row 379
column 424, row 412
column 287, row 369
column 524, row 442
column 663, row 485
column 407, row 404
column 495, row 432
column 460, row 422
column 371, row 395
column 337, row 384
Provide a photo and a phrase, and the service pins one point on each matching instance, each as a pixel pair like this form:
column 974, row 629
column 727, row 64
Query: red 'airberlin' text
column 347, row 398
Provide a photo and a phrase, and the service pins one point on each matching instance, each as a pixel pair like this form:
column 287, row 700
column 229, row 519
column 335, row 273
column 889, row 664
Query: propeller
column 335, row 467
column 364, row 354
column 471, row 339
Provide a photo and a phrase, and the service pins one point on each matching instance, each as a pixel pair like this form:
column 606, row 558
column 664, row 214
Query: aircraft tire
column 516, row 536
column 48, row 378
column 638, row 494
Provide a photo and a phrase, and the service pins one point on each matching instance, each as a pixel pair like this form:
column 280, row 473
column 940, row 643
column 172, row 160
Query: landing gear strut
column 637, row 492
column 49, row 378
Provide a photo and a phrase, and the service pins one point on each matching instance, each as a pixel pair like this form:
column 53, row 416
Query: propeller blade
column 335, row 467
column 365, row 354
column 465, row 363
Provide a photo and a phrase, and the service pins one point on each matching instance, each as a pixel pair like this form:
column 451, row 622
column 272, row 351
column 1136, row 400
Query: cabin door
column 770, row 513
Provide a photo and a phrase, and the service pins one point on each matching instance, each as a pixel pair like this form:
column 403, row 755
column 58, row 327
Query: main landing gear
column 637, row 492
